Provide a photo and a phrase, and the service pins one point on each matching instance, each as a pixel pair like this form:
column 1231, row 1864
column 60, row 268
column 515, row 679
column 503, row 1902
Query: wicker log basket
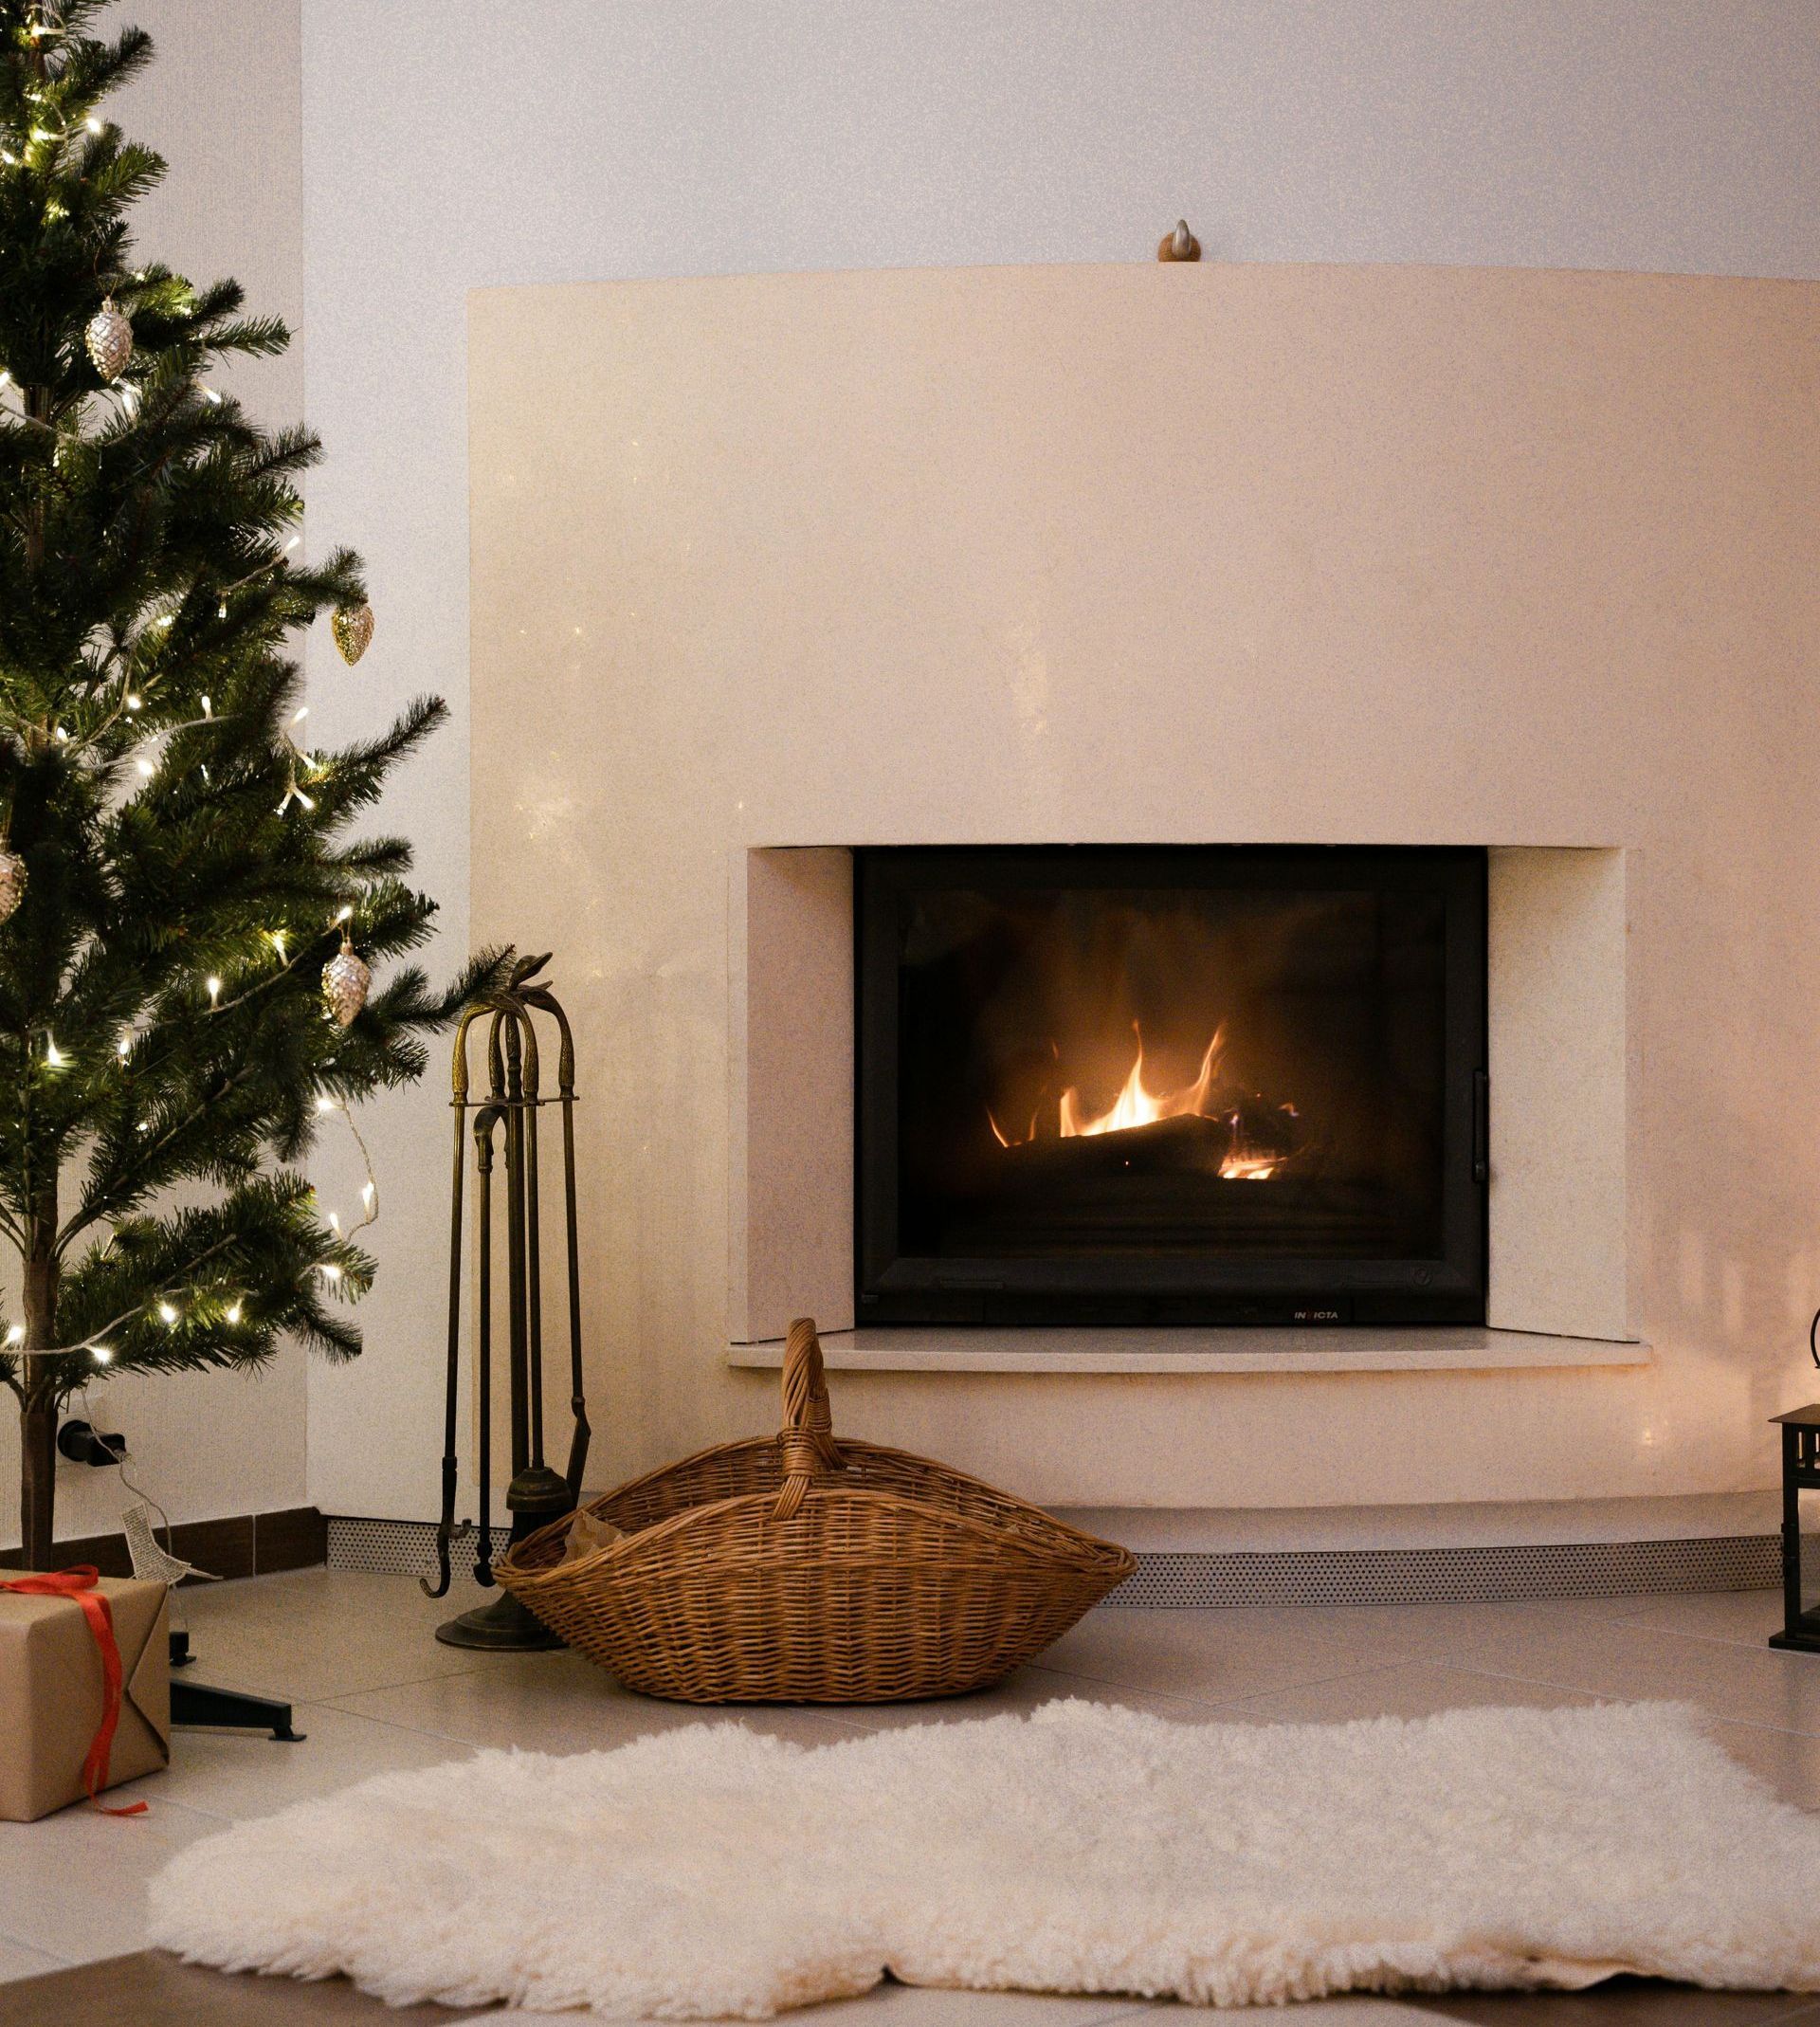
column 791, row 1569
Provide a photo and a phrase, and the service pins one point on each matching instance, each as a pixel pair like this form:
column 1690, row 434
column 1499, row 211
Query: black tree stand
column 196, row 1702
column 536, row 1494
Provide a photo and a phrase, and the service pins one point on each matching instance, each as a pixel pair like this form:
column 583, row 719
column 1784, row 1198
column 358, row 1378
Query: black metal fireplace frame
column 896, row 1287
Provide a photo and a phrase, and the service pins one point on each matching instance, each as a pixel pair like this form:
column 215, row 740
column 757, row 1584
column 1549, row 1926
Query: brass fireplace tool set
column 505, row 1119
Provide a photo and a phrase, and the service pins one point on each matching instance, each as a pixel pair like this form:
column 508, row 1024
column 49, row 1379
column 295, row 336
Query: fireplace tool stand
column 505, row 1121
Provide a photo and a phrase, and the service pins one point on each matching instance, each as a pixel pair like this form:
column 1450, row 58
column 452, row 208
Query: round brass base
column 503, row 1627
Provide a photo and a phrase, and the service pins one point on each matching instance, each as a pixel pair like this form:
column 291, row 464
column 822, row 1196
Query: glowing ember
column 1137, row 1106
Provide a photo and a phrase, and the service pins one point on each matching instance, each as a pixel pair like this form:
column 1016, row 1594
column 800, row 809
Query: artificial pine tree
column 176, row 856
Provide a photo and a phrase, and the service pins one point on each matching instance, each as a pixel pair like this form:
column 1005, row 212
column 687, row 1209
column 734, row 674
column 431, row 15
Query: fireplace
column 1171, row 1084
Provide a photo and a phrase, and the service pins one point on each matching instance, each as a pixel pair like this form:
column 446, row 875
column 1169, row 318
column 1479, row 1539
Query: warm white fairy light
column 101, row 1353
column 131, row 397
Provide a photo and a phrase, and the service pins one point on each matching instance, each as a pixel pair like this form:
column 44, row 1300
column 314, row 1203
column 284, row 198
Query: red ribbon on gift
column 79, row 1586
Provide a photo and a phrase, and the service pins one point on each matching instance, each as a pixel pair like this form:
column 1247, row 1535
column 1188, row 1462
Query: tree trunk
column 38, row 1418
column 38, row 1481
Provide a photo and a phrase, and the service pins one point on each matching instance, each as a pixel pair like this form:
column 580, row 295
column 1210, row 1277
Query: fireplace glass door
column 1172, row 1084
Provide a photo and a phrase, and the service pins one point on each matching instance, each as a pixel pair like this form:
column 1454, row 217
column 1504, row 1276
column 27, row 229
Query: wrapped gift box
column 52, row 1693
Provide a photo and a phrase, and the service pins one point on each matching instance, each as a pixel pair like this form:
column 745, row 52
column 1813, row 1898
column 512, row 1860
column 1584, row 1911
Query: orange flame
column 1135, row 1105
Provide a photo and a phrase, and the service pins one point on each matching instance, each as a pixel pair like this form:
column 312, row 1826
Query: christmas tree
column 186, row 925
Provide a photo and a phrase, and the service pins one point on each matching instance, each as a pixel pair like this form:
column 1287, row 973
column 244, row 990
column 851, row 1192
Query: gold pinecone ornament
column 345, row 979
column 12, row 881
column 352, row 625
column 109, row 338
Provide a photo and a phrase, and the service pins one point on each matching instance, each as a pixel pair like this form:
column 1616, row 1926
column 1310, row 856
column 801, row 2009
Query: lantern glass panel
column 1810, row 1551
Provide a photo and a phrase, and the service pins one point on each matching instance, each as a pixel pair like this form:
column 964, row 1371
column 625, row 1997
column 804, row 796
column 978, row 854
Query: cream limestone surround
column 1204, row 554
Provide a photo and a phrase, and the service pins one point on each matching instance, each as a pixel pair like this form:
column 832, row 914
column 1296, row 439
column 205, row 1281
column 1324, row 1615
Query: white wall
column 454, row 144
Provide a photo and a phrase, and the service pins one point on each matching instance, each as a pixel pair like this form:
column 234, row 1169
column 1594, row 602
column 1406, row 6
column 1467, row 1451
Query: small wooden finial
column 1180, row 245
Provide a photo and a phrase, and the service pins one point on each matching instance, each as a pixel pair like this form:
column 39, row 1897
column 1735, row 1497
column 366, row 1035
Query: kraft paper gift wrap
column 52, row 1693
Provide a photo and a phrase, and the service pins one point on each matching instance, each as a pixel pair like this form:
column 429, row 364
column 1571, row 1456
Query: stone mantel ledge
column 916, row 1349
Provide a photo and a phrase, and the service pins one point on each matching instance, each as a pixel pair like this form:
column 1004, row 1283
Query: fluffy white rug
column 711, row 1870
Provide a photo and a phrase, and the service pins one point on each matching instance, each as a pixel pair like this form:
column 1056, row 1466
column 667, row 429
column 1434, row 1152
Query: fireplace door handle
column 1481, row 1126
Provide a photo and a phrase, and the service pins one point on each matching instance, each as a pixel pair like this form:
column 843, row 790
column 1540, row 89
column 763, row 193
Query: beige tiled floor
column 374, row 1690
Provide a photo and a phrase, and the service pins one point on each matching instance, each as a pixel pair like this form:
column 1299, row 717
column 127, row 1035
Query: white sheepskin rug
column 712, row 1870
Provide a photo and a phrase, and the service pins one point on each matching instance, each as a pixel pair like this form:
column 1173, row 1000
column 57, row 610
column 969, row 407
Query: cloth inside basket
column 588, row 1535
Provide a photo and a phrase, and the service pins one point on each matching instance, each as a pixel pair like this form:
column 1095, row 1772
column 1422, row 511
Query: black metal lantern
column 1800, row 1473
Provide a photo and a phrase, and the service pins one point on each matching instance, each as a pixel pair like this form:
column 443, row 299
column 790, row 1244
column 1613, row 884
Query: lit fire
column 1136, row 1105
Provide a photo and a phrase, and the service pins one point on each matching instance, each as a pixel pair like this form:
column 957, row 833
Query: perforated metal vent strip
column 1440, row 1576
column 1326, row 1576
column 389, row 1548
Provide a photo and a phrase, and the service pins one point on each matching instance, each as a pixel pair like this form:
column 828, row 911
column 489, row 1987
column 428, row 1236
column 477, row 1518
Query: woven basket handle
column 806, row 1443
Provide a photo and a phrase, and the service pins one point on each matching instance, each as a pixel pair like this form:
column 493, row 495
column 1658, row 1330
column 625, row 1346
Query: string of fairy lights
column 174, row 1307
column 108, row 338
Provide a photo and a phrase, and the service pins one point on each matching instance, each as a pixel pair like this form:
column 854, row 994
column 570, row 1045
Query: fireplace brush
column 505, row 1121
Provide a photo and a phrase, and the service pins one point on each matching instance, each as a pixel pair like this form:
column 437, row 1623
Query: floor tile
column 308, row 1635
column 1788, row 1761
column 1745, row 1617
column 1409, row 1688
column 1027, row 1689
column 240, row 1774
column 72, row 1884
column 560, row 1702
column 1217, row 1657
column 1617, row 1657
column 16, row 1960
